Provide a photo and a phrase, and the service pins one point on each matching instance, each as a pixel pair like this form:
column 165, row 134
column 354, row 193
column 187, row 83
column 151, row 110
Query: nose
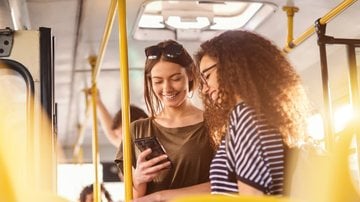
column 204, row 89
column 167, row 86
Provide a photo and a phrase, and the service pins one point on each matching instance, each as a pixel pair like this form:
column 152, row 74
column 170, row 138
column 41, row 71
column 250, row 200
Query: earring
column 191, row 93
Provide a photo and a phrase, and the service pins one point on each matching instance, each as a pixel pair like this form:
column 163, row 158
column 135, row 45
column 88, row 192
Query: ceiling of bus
column 78, row 28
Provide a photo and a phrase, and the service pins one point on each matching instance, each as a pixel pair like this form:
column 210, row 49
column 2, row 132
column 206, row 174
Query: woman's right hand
column 145, row 170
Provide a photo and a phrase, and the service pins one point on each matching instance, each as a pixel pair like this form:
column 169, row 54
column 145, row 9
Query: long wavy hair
column 251, row 67
column 153, row 104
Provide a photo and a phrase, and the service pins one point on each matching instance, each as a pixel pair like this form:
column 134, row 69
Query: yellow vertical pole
column 125, row 103
column 290, row 12
column 95, row 143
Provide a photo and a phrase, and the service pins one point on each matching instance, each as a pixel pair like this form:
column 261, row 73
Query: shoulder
column 243, row 123
column 140, row 122
column 242, row 112
column 141, row 127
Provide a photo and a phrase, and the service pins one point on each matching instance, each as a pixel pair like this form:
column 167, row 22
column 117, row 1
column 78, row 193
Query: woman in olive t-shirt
column 170, row 76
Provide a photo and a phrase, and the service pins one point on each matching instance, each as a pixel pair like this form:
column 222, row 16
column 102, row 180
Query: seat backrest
column 321, row 177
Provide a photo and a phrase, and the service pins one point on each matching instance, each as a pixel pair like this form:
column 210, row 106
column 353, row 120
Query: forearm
column 248, row 190
column 139, row 190
column 106, row 122
column 167, row 195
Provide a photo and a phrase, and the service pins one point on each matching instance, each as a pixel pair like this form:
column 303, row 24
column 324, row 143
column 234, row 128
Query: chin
column 214, row 96
column 175, row 103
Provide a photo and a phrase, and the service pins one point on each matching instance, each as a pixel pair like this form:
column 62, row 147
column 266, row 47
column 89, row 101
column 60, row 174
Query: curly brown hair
column 251, row 67
column 153, row 104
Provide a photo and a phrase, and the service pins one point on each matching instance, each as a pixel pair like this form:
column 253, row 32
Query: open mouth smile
column 170, row 96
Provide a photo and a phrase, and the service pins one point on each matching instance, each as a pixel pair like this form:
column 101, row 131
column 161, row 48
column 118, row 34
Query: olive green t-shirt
column 187, row 147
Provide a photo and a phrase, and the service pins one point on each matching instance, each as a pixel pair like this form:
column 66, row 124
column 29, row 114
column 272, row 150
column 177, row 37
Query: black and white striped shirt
column 255, row 155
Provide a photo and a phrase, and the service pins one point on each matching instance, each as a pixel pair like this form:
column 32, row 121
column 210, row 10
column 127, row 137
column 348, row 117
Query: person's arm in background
column 166, row 195
column 106, row 120
column 113, row 135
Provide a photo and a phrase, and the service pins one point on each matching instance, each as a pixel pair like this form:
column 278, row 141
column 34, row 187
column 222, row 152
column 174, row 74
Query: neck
column 238, row 99
column 184, row 115
column 177, row 112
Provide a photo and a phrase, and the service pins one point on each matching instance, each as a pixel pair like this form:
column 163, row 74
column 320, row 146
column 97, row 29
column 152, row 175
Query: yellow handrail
column 105, row 38
column 124, row 74
column 290, row 11
column 95, row 138
column 326, row 18
column 77, row 152
column 125, row 95
column 95, row 64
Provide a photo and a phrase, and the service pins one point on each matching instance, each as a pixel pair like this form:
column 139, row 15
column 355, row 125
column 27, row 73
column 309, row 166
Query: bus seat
column 322, row 177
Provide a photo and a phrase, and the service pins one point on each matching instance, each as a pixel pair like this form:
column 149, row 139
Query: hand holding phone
column 151, row 142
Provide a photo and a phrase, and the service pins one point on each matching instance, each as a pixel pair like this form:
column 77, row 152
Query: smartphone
column 151, row 142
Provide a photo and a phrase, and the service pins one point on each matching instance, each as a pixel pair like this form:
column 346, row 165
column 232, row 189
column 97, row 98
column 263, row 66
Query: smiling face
column 170, row 83
column 209, row 83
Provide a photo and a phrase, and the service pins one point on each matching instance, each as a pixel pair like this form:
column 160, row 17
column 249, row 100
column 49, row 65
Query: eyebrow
column 158, row 77
column 207, row 69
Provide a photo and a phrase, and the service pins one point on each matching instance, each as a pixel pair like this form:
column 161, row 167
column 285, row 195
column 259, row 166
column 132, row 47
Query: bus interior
column 59, row 49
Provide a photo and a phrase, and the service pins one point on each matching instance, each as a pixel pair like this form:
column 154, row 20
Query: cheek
column 213, row 83
column 118, row 131
column 183, row 85
column 185, row 82
column 156, row 88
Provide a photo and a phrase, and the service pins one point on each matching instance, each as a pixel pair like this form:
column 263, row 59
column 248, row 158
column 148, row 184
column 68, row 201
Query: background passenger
column 255, row 106
column 178, row 124
column 112, row 127
column 86, row 194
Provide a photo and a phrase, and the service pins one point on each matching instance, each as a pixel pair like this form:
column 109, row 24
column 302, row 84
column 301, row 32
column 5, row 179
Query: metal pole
column 329, row 136
column 290, row 12
column 95, row 143
column 125, row 103
column 325, row 19
column 77, row 152
column 105, row 39
column 354, row 95
column 97, row 64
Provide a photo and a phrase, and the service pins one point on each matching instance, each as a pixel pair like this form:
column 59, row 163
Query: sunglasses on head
column 170, row 51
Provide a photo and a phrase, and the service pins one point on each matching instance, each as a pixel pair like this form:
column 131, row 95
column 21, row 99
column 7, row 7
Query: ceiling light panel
column 204, row 16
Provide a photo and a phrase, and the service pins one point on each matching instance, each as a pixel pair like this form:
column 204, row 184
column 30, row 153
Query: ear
column 190, row 76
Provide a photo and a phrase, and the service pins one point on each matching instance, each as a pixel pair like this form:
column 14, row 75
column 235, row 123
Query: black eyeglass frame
column 203, row 77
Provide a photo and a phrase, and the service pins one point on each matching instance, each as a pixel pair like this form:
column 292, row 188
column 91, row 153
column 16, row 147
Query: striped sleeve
column 255, row 151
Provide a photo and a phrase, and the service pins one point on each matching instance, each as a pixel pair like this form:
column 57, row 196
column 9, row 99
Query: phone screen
column 150, row 142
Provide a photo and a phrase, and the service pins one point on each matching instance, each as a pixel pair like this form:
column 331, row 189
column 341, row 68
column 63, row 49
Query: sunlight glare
column 342, row 116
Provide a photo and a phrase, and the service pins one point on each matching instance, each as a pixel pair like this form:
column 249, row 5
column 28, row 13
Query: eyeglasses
column 170, row 51
column 204, row 77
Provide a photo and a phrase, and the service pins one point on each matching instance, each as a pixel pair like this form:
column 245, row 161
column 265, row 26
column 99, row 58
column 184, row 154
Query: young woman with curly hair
column 255, row 106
